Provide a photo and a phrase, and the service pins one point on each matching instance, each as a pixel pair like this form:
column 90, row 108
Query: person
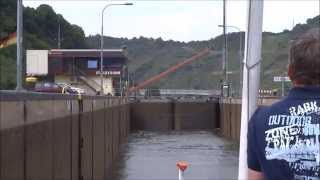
column 284, row 138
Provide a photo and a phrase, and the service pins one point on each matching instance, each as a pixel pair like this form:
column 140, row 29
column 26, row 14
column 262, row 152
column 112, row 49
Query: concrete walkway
column 153, row 156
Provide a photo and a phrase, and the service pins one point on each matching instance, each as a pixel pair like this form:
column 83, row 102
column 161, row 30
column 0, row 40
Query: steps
column 93, row 85
column 82, row 76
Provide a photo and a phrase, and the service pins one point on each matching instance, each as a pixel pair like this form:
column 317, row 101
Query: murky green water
column 153, row 156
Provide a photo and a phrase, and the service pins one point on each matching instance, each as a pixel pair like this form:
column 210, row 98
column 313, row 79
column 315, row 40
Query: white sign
column 37, row 62
column 281, row 78
column 108, row 73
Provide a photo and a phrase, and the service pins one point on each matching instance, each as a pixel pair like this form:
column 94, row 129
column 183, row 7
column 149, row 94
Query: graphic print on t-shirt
column 295, row 138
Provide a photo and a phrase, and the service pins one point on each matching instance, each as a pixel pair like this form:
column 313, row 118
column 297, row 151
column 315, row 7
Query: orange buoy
column 182, row 165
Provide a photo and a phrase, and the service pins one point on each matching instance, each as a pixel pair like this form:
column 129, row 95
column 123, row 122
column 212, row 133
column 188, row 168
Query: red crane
column 155, row 78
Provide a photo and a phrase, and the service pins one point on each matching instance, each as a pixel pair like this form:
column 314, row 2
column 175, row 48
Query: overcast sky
column 177, row 20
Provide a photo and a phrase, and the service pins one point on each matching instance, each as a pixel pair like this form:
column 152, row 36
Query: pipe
column 251, row 77
column 181, row 175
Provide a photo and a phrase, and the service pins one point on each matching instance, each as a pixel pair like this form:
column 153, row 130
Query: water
column 153, row 156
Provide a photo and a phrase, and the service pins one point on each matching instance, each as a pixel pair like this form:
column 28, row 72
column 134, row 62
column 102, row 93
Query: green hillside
column 148, row 56
column 40, row 32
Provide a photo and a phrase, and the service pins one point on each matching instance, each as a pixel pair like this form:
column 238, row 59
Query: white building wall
column 37, row 62
column 107, row 82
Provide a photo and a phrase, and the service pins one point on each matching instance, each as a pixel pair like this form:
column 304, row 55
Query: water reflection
column 153, row 156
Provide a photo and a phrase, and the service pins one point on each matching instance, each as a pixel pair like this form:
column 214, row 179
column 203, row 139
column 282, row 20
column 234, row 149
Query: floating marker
column 182, row 166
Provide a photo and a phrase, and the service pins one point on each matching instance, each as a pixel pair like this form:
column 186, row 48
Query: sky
column 177, row 20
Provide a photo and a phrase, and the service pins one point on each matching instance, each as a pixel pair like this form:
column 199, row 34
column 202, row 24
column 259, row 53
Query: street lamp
column 19, row 86
column 101, row 51
column 240, row 48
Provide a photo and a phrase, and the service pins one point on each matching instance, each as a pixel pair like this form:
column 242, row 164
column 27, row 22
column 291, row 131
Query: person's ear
column 290, row 72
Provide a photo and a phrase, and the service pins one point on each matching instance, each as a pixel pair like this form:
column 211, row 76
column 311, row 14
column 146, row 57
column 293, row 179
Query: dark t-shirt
column 284, row 139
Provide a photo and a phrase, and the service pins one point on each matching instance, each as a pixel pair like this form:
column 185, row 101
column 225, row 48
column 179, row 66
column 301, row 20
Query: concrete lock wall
column 152, row 116
column 195, row 115
column 12, row 140
column 60, row 137
column 230, row 115
column 174, row 115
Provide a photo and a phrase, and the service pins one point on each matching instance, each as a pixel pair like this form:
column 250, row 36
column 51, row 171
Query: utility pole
column 101, row 42
column 225, row 43
column 59, row 35
column 241, row 64
column 240, row 53
column 251, row 80
column 19, row 45
column 225, row 86
column 223, row 48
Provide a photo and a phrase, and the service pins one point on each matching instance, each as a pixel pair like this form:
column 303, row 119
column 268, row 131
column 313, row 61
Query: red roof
column 112, row 53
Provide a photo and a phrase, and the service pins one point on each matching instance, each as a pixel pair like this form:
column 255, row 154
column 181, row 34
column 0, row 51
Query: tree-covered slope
column 148, row 56
column 40, row 32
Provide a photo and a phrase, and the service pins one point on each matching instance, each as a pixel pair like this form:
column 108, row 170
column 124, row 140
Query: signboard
column 92, row 64
column 111, row 73
column 37, row 62
column 281, row 79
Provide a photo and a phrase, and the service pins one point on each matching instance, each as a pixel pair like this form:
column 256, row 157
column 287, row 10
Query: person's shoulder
column 263, row 112
column 258, row 117
column 279, row 106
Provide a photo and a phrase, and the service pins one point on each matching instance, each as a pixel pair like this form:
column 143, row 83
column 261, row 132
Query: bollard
column 182, row 166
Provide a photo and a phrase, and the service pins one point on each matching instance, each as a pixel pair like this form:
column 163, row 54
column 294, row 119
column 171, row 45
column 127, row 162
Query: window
column 92, row 64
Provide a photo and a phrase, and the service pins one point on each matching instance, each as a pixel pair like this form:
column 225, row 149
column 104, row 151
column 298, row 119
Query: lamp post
column 19, row 86
column 240, row 49
column 101, row 38
column 225, row 53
